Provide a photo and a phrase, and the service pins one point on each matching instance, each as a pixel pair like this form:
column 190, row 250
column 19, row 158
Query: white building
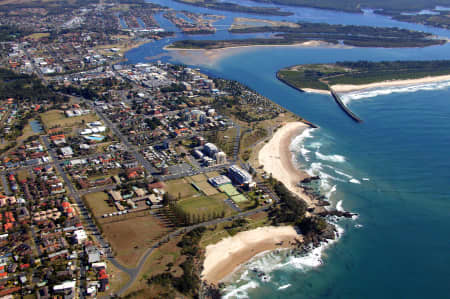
column 221, row 158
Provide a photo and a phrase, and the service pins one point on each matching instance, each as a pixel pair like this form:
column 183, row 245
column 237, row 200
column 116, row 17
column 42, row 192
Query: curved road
column 134, row 272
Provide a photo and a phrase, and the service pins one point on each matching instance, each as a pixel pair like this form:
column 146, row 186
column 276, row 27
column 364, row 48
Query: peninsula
column 228, row 6
column 351, row 76
column 294, row 33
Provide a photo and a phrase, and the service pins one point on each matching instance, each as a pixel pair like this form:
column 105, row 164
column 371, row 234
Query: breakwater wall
column 344, row 107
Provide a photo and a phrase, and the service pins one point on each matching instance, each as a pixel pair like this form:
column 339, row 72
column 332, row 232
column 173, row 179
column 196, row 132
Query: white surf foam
column 343, row 174
column 329, row 193
column 240, row 292
column 370, row 93
column 284, row 286
column 354, row 181
column 331, row 158
column 315, row 145
column 313, row 258
column 339, row 206
column 298, row 140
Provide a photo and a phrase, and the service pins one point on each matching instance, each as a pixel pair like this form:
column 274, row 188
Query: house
column 79, row 236
column 93, row 254
column 67, row 152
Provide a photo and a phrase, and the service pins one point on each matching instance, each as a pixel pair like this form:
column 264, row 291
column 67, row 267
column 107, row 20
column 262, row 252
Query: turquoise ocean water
column 393, row 169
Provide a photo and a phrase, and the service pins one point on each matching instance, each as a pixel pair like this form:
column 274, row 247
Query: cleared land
column 98, row 203
column 159, row 262
column 180, row 188
column 57, row 118
column 321, row 76
column 131, row 236
column 240, row 23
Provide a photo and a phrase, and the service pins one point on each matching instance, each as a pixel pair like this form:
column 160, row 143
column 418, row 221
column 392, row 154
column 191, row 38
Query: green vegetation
column 292, row 208
column 321, row 76
column 10, row 33
column 189, row 283
column 202, row 208
column 357, row 5
column 228, row 6
column 229, row 190
column 350, row 35
column 394, row 9
column 26, row 87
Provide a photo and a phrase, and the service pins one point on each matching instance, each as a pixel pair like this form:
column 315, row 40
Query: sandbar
column 211, row 56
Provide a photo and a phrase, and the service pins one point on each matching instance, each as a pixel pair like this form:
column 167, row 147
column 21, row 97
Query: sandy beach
column 224, row 257
column 342, row 88
column 316, row 91
column 276, row 158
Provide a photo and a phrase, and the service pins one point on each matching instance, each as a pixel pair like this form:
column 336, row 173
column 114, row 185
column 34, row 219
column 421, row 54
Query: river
column 393, row 169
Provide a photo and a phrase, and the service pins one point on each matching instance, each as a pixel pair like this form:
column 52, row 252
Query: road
column 134, row 272
column 148, row 167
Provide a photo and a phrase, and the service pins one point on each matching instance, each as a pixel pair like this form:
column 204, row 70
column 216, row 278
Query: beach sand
column 276, row 159
column 316, row 91
column 342, row 88
column 224, row 257
column 209, row 57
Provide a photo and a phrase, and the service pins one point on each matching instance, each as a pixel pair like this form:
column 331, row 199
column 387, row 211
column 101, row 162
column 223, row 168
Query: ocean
column 393, row 170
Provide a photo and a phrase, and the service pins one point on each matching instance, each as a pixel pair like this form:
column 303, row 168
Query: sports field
column 229, row 190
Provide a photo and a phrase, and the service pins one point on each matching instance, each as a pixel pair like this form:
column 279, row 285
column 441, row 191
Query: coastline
column 343, row 88
column 224, row 257
column 276, row 159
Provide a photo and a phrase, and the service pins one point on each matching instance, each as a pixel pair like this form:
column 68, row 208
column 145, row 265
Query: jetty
column 344, row 107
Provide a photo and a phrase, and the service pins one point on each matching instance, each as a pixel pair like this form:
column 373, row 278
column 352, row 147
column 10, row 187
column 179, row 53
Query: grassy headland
column 322, row 76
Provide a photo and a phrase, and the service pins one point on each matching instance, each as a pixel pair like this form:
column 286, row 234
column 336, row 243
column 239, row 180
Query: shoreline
column 225, row 257
column 347, row 88
column 276, row 159
column 344, row 88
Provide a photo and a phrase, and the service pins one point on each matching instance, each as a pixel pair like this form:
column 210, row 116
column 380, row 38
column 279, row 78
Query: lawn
column 131, row 237
column 212, row 174
column 37, row 36
column 57, row 118
column 239, row 198
column 180, row 188
column 198, row 178
column 207, row 188
column 201, row 181
column 98, row 203
column 205, row 205
column 229, row 190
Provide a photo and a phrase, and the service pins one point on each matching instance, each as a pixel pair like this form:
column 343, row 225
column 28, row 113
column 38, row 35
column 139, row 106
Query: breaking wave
column 331, row 158
column 370, row 93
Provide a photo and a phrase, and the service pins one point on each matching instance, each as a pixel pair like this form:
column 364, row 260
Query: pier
column 344, row 107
